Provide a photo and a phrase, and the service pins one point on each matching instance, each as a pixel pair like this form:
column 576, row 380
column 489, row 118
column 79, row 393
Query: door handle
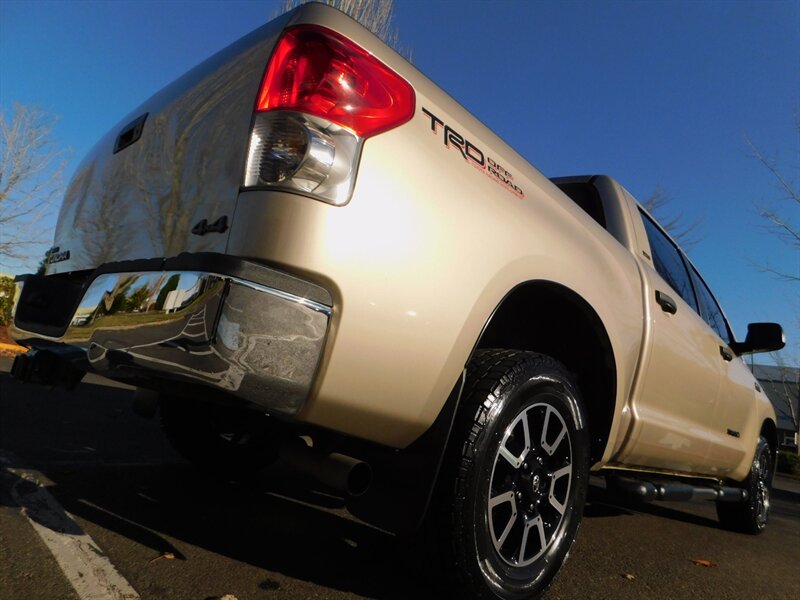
column 667, row 304
column 726, row 354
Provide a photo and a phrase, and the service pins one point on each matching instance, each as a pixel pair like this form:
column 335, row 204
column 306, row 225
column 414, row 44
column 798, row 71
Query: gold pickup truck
column 304, row 250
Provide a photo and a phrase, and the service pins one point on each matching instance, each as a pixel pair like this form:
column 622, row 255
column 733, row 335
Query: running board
column 649, row 491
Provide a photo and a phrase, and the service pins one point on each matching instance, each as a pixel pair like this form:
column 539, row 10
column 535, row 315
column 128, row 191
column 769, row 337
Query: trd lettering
column 472, row 154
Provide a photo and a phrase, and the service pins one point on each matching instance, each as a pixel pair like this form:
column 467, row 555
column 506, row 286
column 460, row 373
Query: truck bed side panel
column 417, row 263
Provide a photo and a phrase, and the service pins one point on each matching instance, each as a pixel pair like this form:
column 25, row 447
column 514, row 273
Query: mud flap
column 404, row 480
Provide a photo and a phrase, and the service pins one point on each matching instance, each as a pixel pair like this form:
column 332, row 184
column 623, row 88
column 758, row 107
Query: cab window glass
column 668, row 262
column 709, row 309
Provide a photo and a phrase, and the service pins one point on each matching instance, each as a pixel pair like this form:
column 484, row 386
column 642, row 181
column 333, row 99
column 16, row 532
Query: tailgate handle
column 667, row 304
column 130, row 134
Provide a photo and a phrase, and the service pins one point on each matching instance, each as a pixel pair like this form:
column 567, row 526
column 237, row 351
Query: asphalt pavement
column 82, row 467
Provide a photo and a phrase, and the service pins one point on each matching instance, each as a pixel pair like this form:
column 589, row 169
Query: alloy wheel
column 530, row 484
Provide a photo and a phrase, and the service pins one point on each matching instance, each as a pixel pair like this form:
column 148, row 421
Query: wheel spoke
column 555, row 502
column 524, row 542
column 539, row 523
column 550, row 448
column 527, row 433
column 501, row 498
column 514, row 461
column 530, row 524
column 496, row 501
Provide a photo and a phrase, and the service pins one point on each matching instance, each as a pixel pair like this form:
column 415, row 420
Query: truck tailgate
column 143, row 200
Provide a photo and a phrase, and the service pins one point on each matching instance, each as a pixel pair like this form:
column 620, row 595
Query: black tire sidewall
column 535, row 382
column 743, row 516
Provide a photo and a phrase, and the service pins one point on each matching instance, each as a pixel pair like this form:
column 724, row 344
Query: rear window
column 669, row 263
column 586, row 196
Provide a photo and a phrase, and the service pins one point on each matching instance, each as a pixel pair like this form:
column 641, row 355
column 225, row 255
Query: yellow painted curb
column 12, row 348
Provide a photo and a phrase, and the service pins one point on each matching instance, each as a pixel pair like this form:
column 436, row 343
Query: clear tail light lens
column 322, row 95
column 278, row 148
column 302, row 153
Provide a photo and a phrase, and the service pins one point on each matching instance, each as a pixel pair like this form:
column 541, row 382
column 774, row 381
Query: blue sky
column 652, row 93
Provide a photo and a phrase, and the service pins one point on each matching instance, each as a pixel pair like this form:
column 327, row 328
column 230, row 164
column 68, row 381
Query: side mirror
column 761, row 337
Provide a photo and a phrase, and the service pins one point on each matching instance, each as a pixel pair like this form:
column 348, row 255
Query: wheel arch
column 770, row 431
column 552, row 319
column 566, row 328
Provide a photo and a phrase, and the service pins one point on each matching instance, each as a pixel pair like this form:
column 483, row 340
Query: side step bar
column 649, row 491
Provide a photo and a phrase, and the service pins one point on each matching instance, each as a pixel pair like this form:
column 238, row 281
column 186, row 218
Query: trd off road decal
column 474, row 155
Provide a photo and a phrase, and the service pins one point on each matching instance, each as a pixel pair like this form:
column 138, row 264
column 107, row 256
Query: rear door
column 735, row 414
column 674, row 412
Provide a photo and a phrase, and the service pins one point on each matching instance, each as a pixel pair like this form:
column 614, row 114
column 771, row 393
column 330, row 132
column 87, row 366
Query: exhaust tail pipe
column 343, row 474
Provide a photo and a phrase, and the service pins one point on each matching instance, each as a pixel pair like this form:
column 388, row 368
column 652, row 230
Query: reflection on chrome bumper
column 256, row 342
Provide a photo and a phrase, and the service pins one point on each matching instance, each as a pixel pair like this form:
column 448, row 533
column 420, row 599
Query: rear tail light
column 316, row 71
column 322, row 95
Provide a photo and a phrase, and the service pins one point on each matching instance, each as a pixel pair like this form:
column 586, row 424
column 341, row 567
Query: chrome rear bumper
column 258, row 343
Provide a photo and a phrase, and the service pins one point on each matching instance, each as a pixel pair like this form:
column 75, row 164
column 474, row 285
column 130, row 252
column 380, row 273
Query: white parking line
column 85, row 566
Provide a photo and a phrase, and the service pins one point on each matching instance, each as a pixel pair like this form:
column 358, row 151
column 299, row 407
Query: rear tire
column 513, row 485
column 227, row 441
column 751, row 516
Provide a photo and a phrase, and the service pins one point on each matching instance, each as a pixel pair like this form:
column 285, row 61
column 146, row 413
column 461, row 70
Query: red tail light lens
column 316, row 71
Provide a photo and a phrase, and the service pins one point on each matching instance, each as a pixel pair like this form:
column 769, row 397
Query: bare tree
column 782, row 216
column 171, row 198
column 375, row 15
column 102, row 239
column 686, row 233
column 31, row 166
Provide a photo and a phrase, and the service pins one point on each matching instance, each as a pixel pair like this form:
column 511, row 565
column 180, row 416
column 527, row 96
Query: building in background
column 782, row 385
